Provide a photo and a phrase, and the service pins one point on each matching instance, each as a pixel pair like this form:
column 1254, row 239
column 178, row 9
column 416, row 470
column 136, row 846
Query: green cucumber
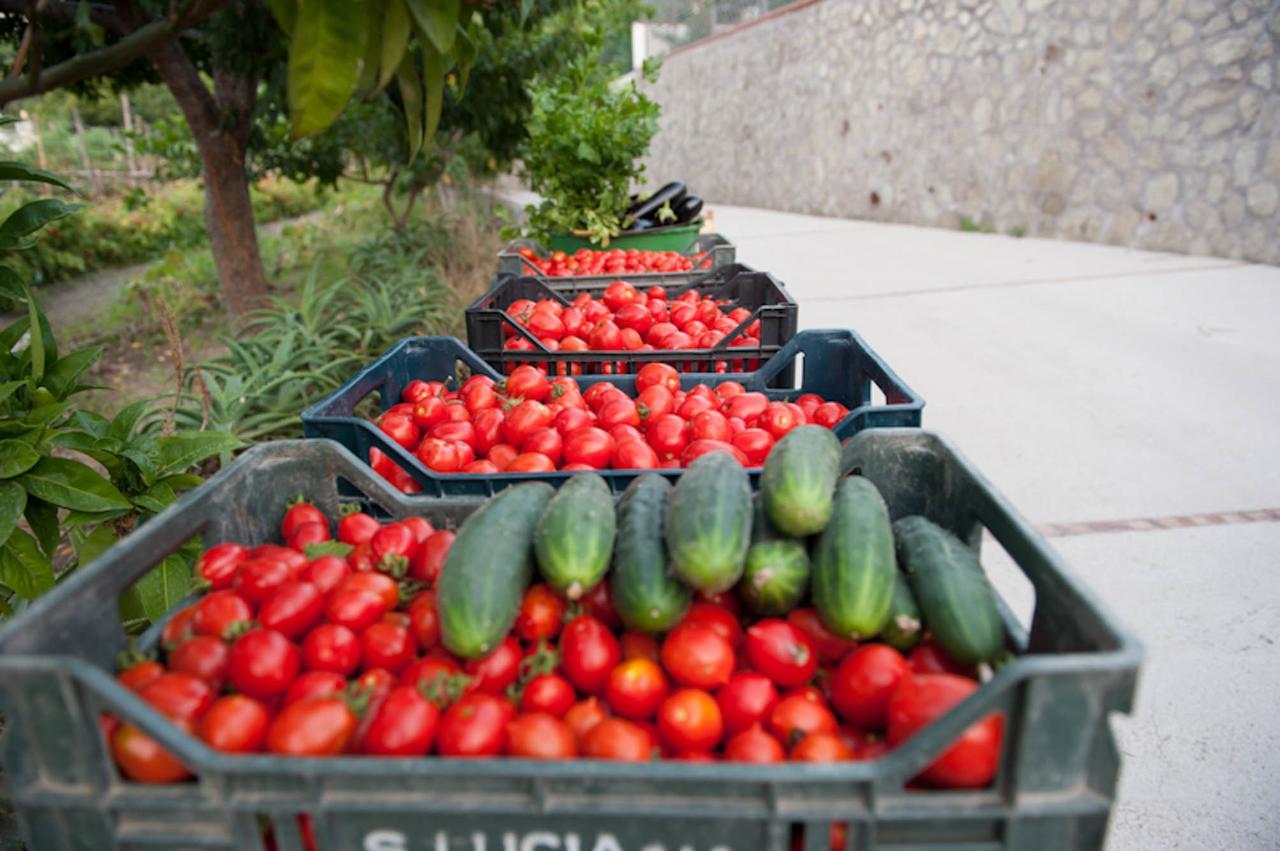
column 488, row 568
column 575, row 536
column 799, row 480
column 709, row 523
column 904, row 627
column 853, row 562
column 958, row 602
column 776, row 577
column 645, row 594
column 762, row 529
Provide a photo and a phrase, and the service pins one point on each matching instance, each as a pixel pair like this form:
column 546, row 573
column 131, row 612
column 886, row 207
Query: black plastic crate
column 1054, row 789
column 837, row 365
column 489, row 325
column 709, row 252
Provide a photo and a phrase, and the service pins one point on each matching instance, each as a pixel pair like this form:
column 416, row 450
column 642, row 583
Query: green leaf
column 80, row 441
column 46, row 414
column 156, row 498
column 396, row 28
column 22, row 171
column 526, row 6
column 123, row 423
column 13, row 501
column 94, row 423
column 61, row 377
column 16, row 457
column 164, row 586
column 37, row 346
column 23, row 567
column 147, row 460
column 327, row 548
column 411, row 95
column 286, row 14
column 182, row 481
column 8, row 388
column 32, row 216
column 366, row 83
column 43, row 520
column 438, row 20
column 88, row 547
column 70, row 484
column 324, row 62
column 75, row 520
column 433, row 70
column 11, row 285
column 182, row 451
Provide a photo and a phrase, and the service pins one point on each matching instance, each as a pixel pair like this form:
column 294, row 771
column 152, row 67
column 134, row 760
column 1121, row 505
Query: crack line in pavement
column 1159, row 524
column 996, row 285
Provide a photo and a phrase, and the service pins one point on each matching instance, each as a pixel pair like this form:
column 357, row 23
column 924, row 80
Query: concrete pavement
column 1093, row 383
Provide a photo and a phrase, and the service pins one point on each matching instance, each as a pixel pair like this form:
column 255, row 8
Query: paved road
column 1095, row 384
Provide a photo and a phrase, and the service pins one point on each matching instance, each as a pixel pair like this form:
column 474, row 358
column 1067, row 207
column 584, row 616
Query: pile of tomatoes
column 625, row 318
column 532, row 424
column 322, row 648
column 614, row 261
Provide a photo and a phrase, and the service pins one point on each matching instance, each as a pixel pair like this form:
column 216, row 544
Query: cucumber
column 853, row 562
column 776, row 577
column 958, row 602
column 799, row 480
column 488, row 568
column 645, row 594
column 709, row 523
column 574, row 538
column 762, row 529
column 904, row 627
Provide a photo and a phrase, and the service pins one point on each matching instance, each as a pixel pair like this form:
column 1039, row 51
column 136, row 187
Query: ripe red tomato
column 698, row 448
column 235, row 724
column 689, row 720
column 219, row 564
column 488, row 429
column 404, row 725
column 390, row 646
column 143, row 760
column 293, row 609
column 263, row 663
column 754, row 745
column 798, row 715
column 652, row 374
column 710, row 425
column 588, row 652
column 697, row 655
column 429, row 412
column 530, row 462
column 635, row 689
column 325, row 573
column 717, row 616
column 139, row 674
column 755, row 443
column 427, row 562
column 821, row 747
column 619, row 740
column 668, row 435
column 496, row 671
column 864, row 682
column 569, row 420
column 260, row 577
column 424, row 620
column 331, row 647
column 971, row 761
column 541, row 614
column 378, row 584
column 781, row 652
column 747, row 406
column 429, row 672
column 402, row 429
column 540, row 735
column 928, row 658
column 584, row 715
column 178, row 695
column 748, row 698
column 549, row 693
column 599, row 603
column 297, row 515
column 314, row 684
column 828, row 414
column 591, row 446
column 778, row 419
column 475, row 726
column 524, row 419
column 416, row 390
column 317, row 726
column 619, row 410
column 548, row 442
column 634, row 455
column 829, row 646
column 502, row 455
column 640, row 645
column 202, row 656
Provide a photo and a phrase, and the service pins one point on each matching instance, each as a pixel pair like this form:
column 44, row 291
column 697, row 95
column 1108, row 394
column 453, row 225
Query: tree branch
column 65, row 11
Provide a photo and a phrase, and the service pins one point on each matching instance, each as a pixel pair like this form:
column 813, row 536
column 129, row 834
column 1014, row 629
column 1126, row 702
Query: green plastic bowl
column 669, row 238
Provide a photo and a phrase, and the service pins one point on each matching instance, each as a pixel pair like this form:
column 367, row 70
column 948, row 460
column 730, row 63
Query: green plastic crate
column 669, row 238
column 1054, row 789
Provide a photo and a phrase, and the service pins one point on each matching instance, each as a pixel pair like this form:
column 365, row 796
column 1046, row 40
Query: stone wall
column 1150, row 123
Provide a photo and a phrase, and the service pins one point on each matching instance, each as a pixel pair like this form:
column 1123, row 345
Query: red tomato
column 545, row 325
column 235, row 724
column 748, row 698
column 427, row 562
column 588, row 652
column 548, row 442
column 694, row 405
column 636, row 688
column 829, row 646
column 747, row 406
column 496, row 671
column 260, row 577
column 619, row 433
column 475, row 726
column 829, row 414
column 331, row 647
column 716, row 616
column 864, row 682
column 424, row 620
column 668, row 435
column 618, row 411
column 429, row 412
column 314, row 684
column 569, row 420
column 798, row 715
column 755, row 443
column 618, row 295
column 928, row 658
column 219, row 565
column 541, row 614
column 640, row 645
column 540, row 735
column 386, row 645
column 182, row 623
column 709, row 425
column 442, row 456
column 698, row 448
column 317, row 726
column 386, row 589
column 487, row 427
column 619, row 740
column 326, row 573
column 502, row 455
column 530, row 462
column 293, row 609
column 606, row 336
column 778, row 419
column 591, row 446
column 143, row 760
column 138, row 675
column 416, row 391
column 599, row 603
column 584, row 715
column 429, row 672
column 178, row 695
column 754, row 745
column 781, row 652
column 549, row 693
column 653, row 374
column 634, row 455
column 403, row 430
column 404, row 725
column 821, row 747
column 462, row 431
column 971, row 761
column 529, row 382
column 202, row 656
column 697, row 655
column 263, row 663
column 523, row 420
column 689, row 720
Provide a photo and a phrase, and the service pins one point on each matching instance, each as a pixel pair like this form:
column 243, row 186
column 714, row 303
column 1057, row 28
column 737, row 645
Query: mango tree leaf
column 438, row 20
column 370, row 58
column 433, row 70
column 182, row 451
column 16, row 457
column 61, row 377
column 21, row 171
column 324, row 62
column 396, row 28
column 164, row 586
column 285, row 13
column 23, row 567
column 43, row 520
column 13, row 500
column 32, row 216
column 411, row 96
column 71, row 484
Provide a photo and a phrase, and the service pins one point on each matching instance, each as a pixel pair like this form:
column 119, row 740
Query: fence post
column 84, row 149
